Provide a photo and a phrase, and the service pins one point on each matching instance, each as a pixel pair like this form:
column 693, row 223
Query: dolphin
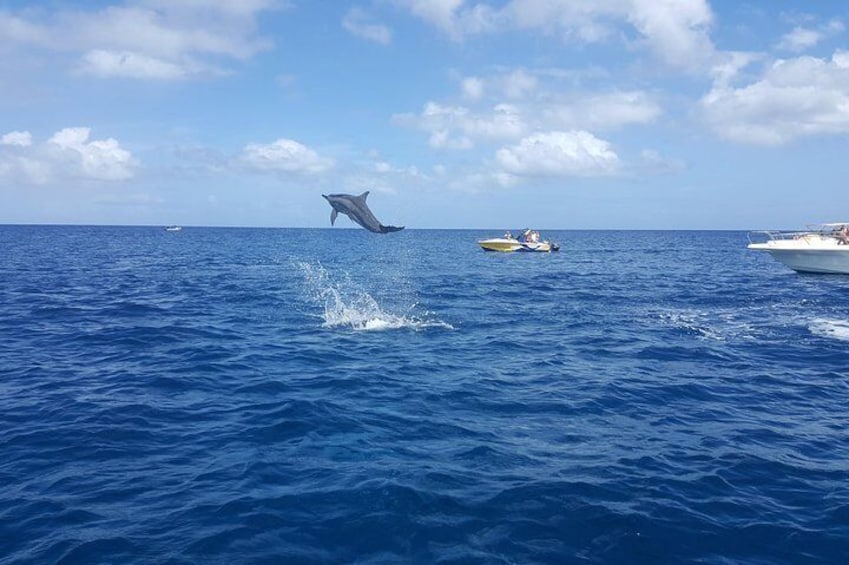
column 355, row 208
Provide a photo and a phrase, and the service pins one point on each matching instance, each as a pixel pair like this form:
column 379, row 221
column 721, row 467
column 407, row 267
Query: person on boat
column 508, row 235
column 843, row 235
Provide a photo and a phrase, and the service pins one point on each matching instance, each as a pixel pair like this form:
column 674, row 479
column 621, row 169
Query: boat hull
column 504, row 245
column 499, row 244
column 831, row 260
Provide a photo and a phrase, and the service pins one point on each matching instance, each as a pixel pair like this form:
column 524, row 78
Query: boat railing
column 814, row 235
column 762, row 236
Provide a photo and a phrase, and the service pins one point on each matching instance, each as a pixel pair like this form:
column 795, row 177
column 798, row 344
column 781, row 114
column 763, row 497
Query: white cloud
column 514, row 85
column 801, row 38
column 545, row 105
column 442, row 139
column 138, row 199
column 382, row 176
column 729, row 66
column 99, row 159
column 171, row 31
column 677, row 31
column 34, row 171
column 504, row 122
column 384, row 168
column 21, row 138
column 480, row 181
column 441, row 13
column 14, row 29
column 585, row 22
column 652, row 162
column 285, row 156
column 605, row 110
column 519, row 83
column 834, row 26
column 126, row 64
column 67, row 154
column 792, row 99
column 241, row 9
column 437, row 120
column 473, row 88
column 358, row 23
column 451, row 17
column 147, row 39
column 456, row 127
column 559, row 153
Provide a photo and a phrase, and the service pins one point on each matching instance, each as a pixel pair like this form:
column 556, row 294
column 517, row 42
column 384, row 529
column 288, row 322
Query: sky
column 484, row 114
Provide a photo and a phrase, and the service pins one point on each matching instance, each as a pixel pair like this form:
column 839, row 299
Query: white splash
column 824, row 327
column 347, row 305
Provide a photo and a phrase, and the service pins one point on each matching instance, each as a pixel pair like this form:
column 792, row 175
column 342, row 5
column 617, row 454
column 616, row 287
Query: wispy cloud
column 358, row 23
column 457, row 127
column 20, row 138
column 801, row 38
column 676, row 32
column 145, row 39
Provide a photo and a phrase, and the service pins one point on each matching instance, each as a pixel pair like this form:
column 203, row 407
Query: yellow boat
column 528, row 241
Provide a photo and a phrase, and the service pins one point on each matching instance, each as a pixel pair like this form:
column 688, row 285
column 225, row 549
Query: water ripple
column 327, row 396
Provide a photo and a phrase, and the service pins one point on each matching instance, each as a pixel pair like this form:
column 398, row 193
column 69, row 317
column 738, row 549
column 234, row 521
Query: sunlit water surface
column 335, row 396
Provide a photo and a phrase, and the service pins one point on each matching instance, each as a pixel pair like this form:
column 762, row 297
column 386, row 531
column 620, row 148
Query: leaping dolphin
column 355, row 208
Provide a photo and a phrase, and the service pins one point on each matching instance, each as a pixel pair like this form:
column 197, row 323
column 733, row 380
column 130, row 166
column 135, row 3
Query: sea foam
column 347, row 305
column 835, row 329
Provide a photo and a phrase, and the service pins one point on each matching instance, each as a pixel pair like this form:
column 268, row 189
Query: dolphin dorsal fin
column 363, row 196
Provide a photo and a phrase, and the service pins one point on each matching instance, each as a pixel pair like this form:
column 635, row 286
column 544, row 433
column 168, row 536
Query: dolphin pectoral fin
column 333, row 215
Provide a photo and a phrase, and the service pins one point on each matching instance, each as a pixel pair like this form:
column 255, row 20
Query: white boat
column 528, row 241
column 174, row 228
column 821, row 248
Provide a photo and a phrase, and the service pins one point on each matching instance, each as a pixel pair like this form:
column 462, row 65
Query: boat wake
column 347, row 305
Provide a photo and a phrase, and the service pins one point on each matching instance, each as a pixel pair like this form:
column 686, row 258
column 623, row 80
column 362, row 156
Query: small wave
column 346, row 305
column 711, row 325
column 692, row 322
column 836, row 329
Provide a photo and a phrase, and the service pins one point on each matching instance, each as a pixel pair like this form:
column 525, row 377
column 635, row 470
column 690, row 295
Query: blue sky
column 558, row 114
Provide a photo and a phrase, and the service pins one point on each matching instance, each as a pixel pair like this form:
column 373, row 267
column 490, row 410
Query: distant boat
column 822, row 248
column 529, row 240
column 174, row 228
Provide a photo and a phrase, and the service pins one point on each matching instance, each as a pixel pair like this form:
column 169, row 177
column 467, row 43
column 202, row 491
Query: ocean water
column 334, row 396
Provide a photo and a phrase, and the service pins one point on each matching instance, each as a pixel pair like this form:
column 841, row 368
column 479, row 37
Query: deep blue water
column 335, row 396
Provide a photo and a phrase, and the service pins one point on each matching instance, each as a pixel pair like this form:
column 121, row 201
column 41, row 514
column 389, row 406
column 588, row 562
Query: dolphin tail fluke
column 388, row 229
column 333, row 215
